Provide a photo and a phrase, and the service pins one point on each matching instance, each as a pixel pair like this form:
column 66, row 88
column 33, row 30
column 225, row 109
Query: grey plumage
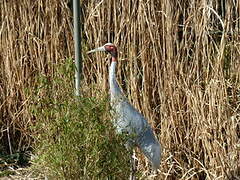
column 127, row 119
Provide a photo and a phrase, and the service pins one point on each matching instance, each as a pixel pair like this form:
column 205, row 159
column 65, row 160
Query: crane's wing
column 128, row 119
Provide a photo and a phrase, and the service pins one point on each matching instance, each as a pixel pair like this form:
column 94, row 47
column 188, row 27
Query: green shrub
column 75, row 136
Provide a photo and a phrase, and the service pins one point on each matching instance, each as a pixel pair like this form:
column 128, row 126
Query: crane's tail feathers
column 151, row 148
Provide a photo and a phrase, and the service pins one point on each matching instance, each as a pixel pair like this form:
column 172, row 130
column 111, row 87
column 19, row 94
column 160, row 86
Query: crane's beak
column 102, row 48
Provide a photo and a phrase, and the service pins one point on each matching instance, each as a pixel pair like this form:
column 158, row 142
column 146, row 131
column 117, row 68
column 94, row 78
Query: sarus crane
column 126, row 118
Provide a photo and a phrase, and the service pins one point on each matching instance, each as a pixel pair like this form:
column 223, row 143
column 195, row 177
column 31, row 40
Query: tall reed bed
column 35, row 35
column 178, row 64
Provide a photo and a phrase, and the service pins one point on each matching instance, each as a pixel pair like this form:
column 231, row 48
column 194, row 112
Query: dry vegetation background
column 179, row 63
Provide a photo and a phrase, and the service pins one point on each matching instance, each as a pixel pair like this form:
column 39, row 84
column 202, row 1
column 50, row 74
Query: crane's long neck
column 114, row 88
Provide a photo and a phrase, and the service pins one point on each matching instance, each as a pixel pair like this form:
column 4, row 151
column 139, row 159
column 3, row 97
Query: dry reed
column 178, row 63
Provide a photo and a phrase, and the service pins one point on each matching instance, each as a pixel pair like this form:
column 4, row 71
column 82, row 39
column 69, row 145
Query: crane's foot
column 133, row 166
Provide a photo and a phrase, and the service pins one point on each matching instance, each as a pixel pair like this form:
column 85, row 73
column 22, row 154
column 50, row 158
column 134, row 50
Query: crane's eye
column 109, row 48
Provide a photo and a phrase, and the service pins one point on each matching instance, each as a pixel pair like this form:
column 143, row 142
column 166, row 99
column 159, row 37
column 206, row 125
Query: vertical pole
column 77, row 43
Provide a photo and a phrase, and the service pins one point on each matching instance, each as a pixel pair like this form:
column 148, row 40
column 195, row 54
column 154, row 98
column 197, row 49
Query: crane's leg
column 133, row 166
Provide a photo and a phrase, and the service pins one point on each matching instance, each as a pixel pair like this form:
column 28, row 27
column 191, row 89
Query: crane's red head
column 110, row 48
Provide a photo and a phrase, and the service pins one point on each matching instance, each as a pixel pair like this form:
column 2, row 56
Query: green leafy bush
column 75, row 136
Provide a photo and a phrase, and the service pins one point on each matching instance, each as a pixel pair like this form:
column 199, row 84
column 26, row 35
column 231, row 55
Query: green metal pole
column 77, row 43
